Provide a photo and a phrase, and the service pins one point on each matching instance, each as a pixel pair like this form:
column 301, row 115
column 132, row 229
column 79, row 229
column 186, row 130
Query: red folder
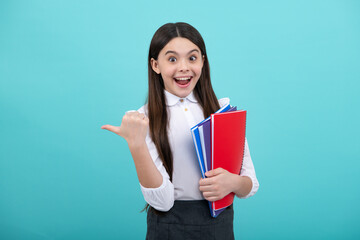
column 227, row 146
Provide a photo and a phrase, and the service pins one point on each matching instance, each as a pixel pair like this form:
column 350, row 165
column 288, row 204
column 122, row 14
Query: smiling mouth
column 183, row 81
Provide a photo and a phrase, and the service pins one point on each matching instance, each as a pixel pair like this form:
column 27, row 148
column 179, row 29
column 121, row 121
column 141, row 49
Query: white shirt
column 184, row 113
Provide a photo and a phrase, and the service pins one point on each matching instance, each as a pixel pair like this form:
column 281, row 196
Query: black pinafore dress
column 188, row 220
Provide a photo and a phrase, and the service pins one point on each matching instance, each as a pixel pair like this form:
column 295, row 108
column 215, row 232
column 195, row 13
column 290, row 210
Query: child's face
column 180, row 63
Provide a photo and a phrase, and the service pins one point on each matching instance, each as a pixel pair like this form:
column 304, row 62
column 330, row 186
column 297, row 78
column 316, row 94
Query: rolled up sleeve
column 249, row 171
column 161, row 198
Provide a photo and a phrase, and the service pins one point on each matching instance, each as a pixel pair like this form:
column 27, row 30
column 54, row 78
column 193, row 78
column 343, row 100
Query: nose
column 183, row 66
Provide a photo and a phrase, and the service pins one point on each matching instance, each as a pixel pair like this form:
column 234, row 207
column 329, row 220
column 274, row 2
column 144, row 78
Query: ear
column 203, row 60
column 155, row 65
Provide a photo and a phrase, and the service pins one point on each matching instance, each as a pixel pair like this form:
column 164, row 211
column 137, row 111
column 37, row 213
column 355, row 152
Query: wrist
column 237, row 182
column 244, row 186
column 136, row 146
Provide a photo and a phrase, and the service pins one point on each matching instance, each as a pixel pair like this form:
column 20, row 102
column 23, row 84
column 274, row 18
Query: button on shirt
column 184, row 113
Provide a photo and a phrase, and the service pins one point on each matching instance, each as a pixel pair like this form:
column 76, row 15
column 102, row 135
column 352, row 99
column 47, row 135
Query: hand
column 217, row 185
column 134, row 127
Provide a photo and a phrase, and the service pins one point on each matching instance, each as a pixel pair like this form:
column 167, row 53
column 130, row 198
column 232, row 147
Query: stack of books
column 219, row 142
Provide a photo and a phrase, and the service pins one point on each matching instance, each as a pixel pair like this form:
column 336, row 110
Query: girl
column 159, row 138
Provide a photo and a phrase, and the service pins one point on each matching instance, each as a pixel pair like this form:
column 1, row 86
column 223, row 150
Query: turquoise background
column 68, row 67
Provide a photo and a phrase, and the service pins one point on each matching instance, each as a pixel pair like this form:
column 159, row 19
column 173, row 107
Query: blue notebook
column 197, row 141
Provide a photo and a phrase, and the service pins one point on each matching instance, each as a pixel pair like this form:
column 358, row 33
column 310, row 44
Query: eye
column 192, row 58
column 172, row 59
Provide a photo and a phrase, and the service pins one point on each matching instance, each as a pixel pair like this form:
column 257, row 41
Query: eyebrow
column 173, row 52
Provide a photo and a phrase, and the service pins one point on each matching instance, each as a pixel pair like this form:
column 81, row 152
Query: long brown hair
column 203, row 91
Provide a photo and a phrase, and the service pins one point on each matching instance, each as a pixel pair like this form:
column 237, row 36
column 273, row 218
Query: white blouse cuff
column 160, row 198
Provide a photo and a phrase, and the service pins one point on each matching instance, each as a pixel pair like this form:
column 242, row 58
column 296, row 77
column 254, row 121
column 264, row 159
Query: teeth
column 182, row 79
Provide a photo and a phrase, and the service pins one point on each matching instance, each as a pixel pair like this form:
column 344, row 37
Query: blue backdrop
column 68, row 67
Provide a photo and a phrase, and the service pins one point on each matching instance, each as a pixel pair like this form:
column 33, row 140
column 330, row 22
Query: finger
column 132, row 113
column 111, row 128
column 206, row 181
column 210, row 194
column 213, row 198
column 142, row 116
column 214, row 172
column 135, row 115
column 146, row 119
column 205, row 188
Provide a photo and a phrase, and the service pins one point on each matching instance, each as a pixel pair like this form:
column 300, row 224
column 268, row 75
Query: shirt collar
column 172, row 99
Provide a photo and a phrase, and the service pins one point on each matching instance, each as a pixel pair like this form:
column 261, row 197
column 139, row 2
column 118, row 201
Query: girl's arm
column 133, row 129
column 149, row 176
